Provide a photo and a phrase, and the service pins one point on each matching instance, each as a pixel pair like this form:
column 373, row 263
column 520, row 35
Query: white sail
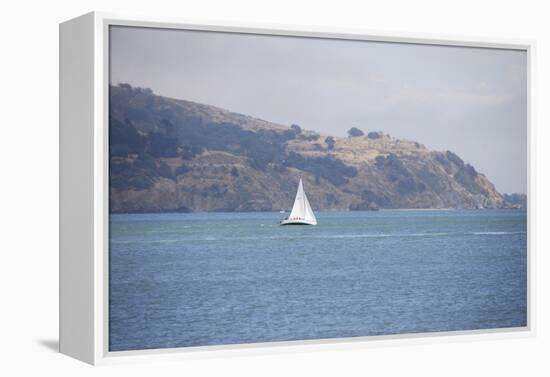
column 301, row 211
column 309, row 212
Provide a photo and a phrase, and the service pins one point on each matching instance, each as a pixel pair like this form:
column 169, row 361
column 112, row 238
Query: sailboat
column 301, row 214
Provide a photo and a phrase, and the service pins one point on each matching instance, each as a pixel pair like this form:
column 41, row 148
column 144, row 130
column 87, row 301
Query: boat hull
column 297, row 222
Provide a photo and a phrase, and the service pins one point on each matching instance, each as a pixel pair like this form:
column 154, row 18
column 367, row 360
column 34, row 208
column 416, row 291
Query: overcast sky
column 468, row 100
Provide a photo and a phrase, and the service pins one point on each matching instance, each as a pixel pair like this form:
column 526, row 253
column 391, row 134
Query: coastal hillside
column 174, row 155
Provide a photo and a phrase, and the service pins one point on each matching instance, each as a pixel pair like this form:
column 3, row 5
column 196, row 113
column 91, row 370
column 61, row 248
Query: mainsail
column 301, row 211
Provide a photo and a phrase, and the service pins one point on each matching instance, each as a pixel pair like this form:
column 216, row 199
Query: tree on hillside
column 374, row 135
column 161, row 145
column 125, row 138
column 355, row 132
column 164, row 170
column 330, row 142
column 297, row 129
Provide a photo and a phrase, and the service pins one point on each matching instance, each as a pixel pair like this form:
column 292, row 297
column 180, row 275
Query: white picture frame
column 84, row 49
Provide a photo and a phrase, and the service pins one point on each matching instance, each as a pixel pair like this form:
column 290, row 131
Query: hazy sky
column 468, row 100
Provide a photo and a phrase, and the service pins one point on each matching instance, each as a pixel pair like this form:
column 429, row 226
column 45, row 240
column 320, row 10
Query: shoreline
column 319, row 211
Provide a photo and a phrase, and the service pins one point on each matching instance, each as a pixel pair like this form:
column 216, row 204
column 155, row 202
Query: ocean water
column 180, row 280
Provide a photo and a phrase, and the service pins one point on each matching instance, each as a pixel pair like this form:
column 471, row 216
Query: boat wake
column 368, row 235
column 318, row 236
column 496, row 233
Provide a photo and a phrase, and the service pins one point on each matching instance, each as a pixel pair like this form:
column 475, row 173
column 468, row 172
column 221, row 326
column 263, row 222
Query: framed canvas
column 230, row 189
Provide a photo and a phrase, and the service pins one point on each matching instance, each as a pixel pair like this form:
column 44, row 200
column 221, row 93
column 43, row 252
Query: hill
column 175, row 155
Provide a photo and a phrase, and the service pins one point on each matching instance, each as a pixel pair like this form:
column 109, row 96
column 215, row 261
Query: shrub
column 164, row 170
column 333, row 170
column 182, row 169
column 162, row 145
column 374, row 135
column 330, row 142
column 124, row 138
column 317, row 147
column 145, row 162
column 394, row 169
column 311, row 137
column 355, row 132
column 141, row 182
column 189, row 152
column 454, row 159
column 297, row 129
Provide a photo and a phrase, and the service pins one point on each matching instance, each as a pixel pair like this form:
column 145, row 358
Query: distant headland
column 170, row 155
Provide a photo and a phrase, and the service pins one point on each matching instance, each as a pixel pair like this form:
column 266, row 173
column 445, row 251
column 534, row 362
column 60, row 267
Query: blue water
column 181, row 280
